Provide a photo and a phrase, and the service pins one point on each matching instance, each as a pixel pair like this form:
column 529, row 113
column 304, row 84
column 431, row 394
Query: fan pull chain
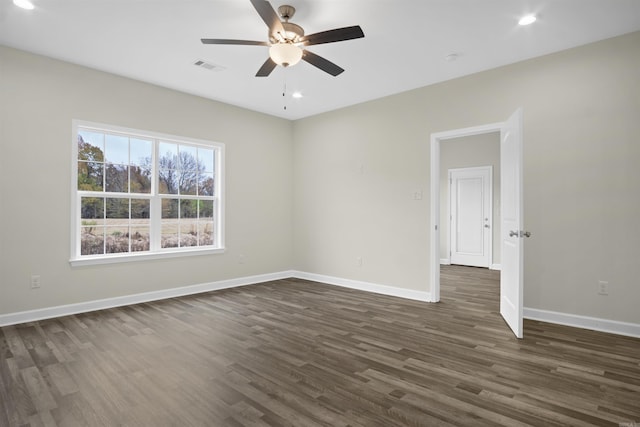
column 284, row 89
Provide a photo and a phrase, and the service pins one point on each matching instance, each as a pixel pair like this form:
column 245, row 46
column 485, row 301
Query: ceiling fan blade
column 266, row 68
column 324, row 64
column 336, row 35
column 240, row 42
column 268, row 15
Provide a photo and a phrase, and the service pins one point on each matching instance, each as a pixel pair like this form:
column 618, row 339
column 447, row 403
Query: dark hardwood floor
column 300, row 353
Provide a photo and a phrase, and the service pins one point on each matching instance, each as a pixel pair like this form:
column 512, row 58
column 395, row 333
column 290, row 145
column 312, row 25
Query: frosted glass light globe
column 285, row 54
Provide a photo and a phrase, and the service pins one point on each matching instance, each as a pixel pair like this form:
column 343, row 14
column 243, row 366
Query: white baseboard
column 84, row 307
column 584, row 322
column 495, row 267
column 365, row 286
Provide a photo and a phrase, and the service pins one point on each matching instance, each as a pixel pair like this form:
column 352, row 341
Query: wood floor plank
column 300, row 353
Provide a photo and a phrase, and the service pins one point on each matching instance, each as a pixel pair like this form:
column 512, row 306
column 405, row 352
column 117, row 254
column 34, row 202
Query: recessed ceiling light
column 25, row 4
column 451, row 57
column 528, row 19
column 296, row 95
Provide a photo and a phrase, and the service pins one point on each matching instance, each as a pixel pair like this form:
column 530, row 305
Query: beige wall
column 38, row 99
column 319, row 193
column 355, row 170
column 466, row 152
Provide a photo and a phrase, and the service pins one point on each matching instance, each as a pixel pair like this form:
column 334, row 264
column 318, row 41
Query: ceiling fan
column 287, row 40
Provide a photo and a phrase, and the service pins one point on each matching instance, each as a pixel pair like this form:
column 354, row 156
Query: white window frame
column 76, row 259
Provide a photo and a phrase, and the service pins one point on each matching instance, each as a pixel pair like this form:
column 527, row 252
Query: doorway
column 511, row 275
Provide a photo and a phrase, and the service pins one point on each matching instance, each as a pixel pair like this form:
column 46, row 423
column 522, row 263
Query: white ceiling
column 405, row 43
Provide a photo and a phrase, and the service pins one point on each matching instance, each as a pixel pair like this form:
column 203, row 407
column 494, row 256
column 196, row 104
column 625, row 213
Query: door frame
column 436, row 139
column 450, row 232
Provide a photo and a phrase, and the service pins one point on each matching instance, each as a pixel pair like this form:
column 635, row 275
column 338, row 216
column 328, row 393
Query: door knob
column 486, row 226
column 525, row 234
column 514, row 234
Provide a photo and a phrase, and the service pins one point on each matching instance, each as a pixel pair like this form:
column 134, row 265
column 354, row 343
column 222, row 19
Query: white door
column 470, row 209
column 511, row 274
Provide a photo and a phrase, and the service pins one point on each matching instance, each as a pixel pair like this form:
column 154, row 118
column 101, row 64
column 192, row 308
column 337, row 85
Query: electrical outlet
column 359, row 261
column 603, row 287
column 35, row 281
column 241, row 259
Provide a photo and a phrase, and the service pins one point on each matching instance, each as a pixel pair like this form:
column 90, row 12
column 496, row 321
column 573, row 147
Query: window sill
column 117, row 258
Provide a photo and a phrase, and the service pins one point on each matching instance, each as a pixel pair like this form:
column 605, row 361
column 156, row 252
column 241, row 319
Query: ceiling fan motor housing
column 293, row 32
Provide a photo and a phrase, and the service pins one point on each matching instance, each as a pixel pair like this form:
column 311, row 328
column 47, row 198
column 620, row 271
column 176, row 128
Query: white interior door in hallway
column 470, row 203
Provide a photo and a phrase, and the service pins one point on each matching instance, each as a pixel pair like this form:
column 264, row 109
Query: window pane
column 117, row 178
column 169, row 237
column 141, row 150
column 205, row 159
column 168, row 181
column 117, row 239
column 188, row 182
column 205, row 184
column 117, row 149
column 188, row 208
column 205, row 209
column 90, row 176
column 92, row 211
column 140, row 208
column 168, row 153
column 139, row 238
column 90, row 146
column 91, row 240
column 117, row 211
column 169, row 208
column 189, row 233
column 188, row 158
column 205, row 233
column 140, row 179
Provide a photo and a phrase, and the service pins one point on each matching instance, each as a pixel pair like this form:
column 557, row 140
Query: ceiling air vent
column 207, row 65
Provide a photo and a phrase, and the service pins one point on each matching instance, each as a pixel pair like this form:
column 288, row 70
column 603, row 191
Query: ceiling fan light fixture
column 292, row 33
column 285, row 54
column 287, row 41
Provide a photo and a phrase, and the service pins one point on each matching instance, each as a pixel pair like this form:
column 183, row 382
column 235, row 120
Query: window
column 140, row 194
